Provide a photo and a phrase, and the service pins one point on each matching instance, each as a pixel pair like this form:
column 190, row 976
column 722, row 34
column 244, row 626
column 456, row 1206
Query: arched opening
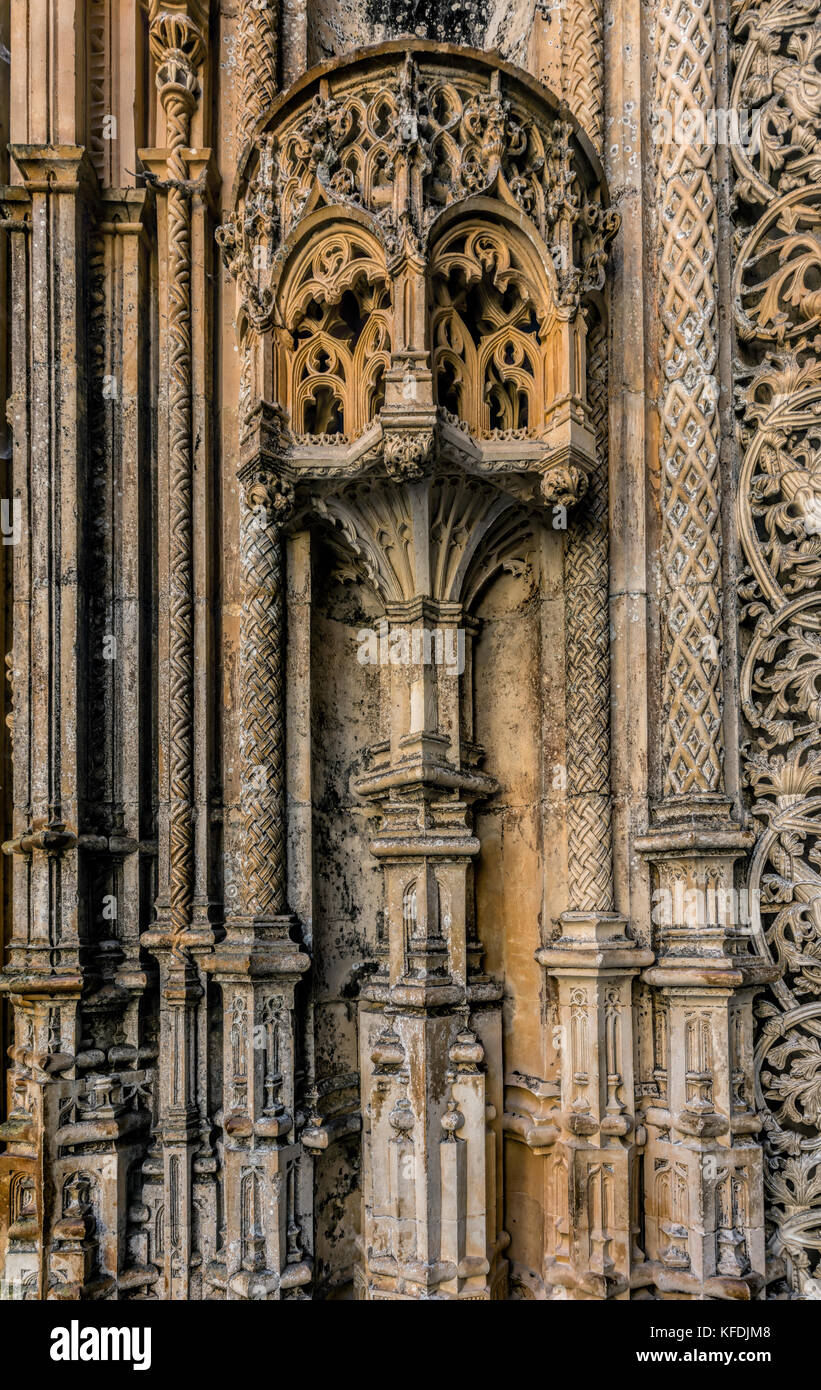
column 422, row 340
column 335, row 344
column 489, row 306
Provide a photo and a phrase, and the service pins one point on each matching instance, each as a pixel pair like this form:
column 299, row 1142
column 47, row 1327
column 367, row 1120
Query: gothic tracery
column 413, row 841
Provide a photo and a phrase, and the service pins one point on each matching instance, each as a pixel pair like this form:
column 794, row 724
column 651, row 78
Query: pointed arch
column 493, row 311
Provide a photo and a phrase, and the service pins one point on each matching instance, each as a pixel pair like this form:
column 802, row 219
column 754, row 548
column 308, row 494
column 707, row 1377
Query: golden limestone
column 413, row 728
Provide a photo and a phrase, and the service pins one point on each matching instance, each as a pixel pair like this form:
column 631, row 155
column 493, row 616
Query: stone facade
column 412, row 603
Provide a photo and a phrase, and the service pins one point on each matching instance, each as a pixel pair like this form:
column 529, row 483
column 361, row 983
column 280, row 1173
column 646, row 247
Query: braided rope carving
column 181, row 656
column 177, row 45
column 686, row 179
column 583, row 65
column 587, row 631
column 258, row 54
column 262, row 739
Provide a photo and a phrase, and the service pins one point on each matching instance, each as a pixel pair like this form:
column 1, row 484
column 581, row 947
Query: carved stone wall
column 777, row 375
column 410, row 545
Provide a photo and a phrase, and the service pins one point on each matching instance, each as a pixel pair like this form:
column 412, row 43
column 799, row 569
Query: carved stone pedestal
column 262, row 1256
column 704, row 1198
column 590, row 1248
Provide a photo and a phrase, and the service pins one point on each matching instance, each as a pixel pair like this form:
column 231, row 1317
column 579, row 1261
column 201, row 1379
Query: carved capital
column 263, row 473
column 178, row 37
column 270, row 498
column 178, row 27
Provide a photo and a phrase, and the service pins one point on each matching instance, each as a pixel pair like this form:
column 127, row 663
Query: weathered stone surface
column 412, row 571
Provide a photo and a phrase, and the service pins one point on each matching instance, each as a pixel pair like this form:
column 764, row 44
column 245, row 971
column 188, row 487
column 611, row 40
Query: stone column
column 430, row 1024
column 266, row 499
column 117, row 713
column 178, row 34
column 266, row 1254
column 430, row 1050
column 112, row 1119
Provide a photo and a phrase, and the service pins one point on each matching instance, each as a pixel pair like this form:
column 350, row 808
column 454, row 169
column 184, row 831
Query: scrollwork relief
column 778, row 373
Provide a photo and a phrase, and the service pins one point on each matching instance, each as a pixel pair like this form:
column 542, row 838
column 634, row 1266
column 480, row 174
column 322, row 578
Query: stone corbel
column 530, row 1114
column 14, row 204
column 319, row 1137
column 409, row 445
column 564, row 477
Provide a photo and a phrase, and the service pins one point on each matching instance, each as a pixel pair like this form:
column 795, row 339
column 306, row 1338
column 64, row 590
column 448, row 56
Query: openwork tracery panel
column 337, row 312
column 778, row 312
column 488, row 344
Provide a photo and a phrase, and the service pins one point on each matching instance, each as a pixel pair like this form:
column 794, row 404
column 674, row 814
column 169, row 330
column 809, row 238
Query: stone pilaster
column 703, row 1171
column 589, row 1247
column 178, row 33
column 46, row 969
column 685, row 97
column 703, row 1181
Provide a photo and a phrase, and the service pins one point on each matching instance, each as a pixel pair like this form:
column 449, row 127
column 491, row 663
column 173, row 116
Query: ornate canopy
column 418, row 245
